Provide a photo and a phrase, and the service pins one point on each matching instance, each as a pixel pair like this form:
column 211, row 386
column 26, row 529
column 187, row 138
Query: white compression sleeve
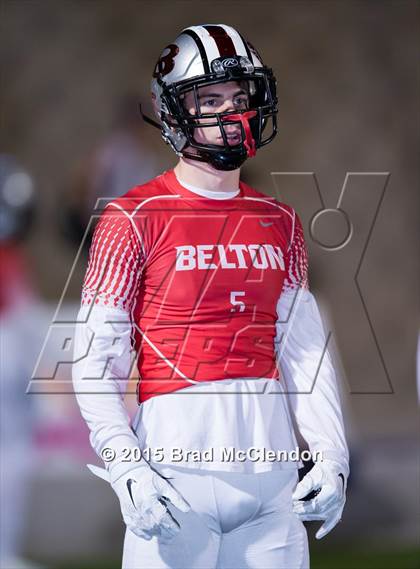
column 309, row 375
column 100, row 377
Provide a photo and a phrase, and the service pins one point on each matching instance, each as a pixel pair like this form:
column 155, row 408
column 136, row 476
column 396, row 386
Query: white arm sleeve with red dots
column 103, row 352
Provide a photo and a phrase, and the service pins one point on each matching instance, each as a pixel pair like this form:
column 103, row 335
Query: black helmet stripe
column 223, row 40
column 201, row 49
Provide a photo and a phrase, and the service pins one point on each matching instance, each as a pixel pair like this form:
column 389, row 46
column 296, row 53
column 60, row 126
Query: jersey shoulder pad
column 139, row 195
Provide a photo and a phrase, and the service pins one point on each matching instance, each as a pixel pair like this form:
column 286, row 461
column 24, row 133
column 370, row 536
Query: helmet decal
column 166, row 61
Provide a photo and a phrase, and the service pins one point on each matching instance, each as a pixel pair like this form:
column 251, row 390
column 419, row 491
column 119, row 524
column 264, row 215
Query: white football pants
column 236, row 521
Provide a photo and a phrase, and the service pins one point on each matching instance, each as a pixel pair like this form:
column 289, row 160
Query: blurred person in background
column 125, row 158
column 19, row 333
column 207, row 278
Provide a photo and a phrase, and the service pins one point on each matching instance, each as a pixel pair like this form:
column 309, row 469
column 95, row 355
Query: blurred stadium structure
column 348, row 88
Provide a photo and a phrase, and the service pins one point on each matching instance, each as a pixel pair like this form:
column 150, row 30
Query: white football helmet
column 205, row 55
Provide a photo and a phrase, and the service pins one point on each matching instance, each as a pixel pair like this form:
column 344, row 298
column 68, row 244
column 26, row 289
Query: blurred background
column 72, row 74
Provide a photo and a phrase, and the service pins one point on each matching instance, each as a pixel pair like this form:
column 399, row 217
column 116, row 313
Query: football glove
column 328, row 480
column 144, row 496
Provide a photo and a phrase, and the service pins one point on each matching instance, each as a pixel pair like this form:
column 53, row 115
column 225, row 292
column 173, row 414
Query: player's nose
column 227, row 106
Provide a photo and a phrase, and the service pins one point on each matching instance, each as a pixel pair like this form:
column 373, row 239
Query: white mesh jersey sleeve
column 304, row 361
column 103, row 352
column 115, row 261
column 296, row 262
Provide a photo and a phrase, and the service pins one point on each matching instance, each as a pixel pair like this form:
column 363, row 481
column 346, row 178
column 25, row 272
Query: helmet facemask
column 252, row 121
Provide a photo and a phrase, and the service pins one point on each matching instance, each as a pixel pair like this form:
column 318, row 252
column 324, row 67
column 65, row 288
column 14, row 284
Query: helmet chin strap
column 243, row 118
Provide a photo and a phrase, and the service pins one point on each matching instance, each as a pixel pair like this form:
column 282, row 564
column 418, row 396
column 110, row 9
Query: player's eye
column 209, row 103
column 241, row 101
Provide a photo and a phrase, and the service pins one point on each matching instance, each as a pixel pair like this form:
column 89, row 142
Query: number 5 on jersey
column 238, row 305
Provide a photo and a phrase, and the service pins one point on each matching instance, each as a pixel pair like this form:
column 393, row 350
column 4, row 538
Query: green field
column 339, row 559
column 404, row 559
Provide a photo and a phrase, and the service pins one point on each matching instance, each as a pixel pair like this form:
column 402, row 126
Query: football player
column 205, row 279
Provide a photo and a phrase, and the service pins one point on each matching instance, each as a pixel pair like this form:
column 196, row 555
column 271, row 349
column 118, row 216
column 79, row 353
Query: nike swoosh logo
column 266, row 223
column 130, row 491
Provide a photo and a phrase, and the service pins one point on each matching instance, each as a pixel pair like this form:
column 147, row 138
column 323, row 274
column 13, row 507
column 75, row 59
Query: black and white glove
column 328, row 479
column 144, row 496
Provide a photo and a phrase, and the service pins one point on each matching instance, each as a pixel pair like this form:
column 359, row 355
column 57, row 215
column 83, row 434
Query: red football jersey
column 200, row 277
